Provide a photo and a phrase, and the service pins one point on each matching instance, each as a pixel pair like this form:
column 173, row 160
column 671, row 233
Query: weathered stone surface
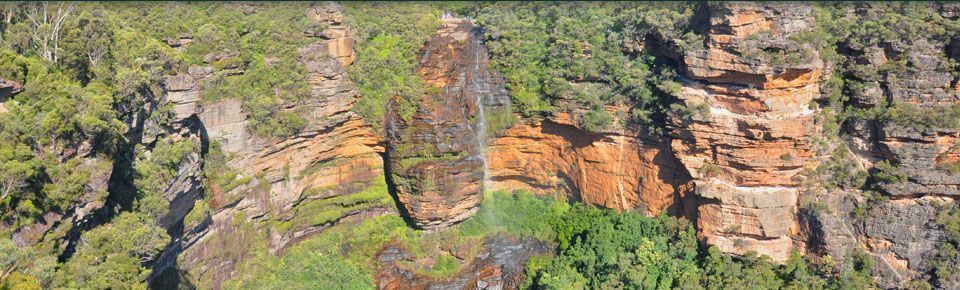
column 499, row 265
column 338, row 42
column 436, row 156
column 903, row 236
column 179, row 42
column 335, row 155
column 183, row 93
column 920, row 154
column 8, row 88
column 752, row 135
column 620, row 171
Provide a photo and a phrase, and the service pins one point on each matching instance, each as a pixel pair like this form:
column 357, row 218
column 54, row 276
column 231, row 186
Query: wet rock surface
column 734, row 165
column 435, row 156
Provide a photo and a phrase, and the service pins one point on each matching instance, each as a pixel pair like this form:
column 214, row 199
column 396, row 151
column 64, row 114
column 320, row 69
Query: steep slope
column 620, row 170
column 909, row 151
column 751, row 128
column 436, row 155
column 278, row 191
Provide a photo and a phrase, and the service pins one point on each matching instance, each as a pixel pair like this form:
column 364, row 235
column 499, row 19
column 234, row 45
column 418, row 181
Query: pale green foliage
column 389, row 37
column 23, row 267
column 110, row 256
column 156, row 170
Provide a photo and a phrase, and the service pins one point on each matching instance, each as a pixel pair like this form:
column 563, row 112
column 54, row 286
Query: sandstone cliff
column 613, row 170
column 898, row 224
column 740, row 136
column 436, row 156
column 282, row 189
column 750, row 131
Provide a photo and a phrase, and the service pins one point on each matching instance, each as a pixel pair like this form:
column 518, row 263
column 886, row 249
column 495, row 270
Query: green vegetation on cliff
column 581, row 57
column 389, row 37
column 595, row 249
column 102, row 69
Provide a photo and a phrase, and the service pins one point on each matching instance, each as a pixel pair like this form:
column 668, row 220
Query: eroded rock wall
column 750, row 131
column 435, row 155
column 612, row 170
column 898, row 226
column 285, row 189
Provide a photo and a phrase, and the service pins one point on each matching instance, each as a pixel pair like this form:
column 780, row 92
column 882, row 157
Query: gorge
column 481, row 145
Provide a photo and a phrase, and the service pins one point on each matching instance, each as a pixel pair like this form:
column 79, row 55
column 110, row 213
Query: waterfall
column 479, row 87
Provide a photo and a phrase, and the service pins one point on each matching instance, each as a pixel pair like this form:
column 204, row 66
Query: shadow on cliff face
column 684, row 203
column 166, row 272
column 172, row 278
column 392, row 189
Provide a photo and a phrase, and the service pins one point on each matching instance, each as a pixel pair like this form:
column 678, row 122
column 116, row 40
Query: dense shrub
column 549, row 51
column 389, row 37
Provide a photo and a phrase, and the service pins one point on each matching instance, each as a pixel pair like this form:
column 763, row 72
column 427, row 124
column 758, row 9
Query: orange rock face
column 608, row 170
column 435, row 156
column 752, row 136
column 339, row 43
column 335, row 155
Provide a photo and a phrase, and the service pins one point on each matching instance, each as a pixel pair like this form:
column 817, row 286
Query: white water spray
column 479, row 87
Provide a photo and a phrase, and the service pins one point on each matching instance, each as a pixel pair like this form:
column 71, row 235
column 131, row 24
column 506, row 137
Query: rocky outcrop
column 747, row 129
column 338, row 42
column 499, row 265
column 612, row 170
column 904, row 238
column 60, row 230
column 8, row 88
column 283, row 189
column 924, row 156
column 923, row 152
column 435, row 155
column 912, row 77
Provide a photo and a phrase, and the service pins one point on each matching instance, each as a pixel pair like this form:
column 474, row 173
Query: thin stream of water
column 479, row 80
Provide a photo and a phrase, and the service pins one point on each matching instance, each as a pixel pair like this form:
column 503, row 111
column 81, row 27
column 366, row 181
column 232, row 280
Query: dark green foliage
column 111, row 255
column 871, row 198
column 885, row 22
column 609, row 250
column 389, row 37
column 885, row 172
column 554, row 53
column 600, row 249
column 949, row 218
column 947, row 259
column 596, row 120
column 24, row 268
column 842, row 170
column 691, row 112
column 51, row 116
column 156, row 170
column 880, row 25
column 947, row 117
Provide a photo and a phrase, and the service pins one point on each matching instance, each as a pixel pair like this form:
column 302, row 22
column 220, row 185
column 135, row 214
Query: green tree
column 111, row 256
column 23, row 267
column 389, row 37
